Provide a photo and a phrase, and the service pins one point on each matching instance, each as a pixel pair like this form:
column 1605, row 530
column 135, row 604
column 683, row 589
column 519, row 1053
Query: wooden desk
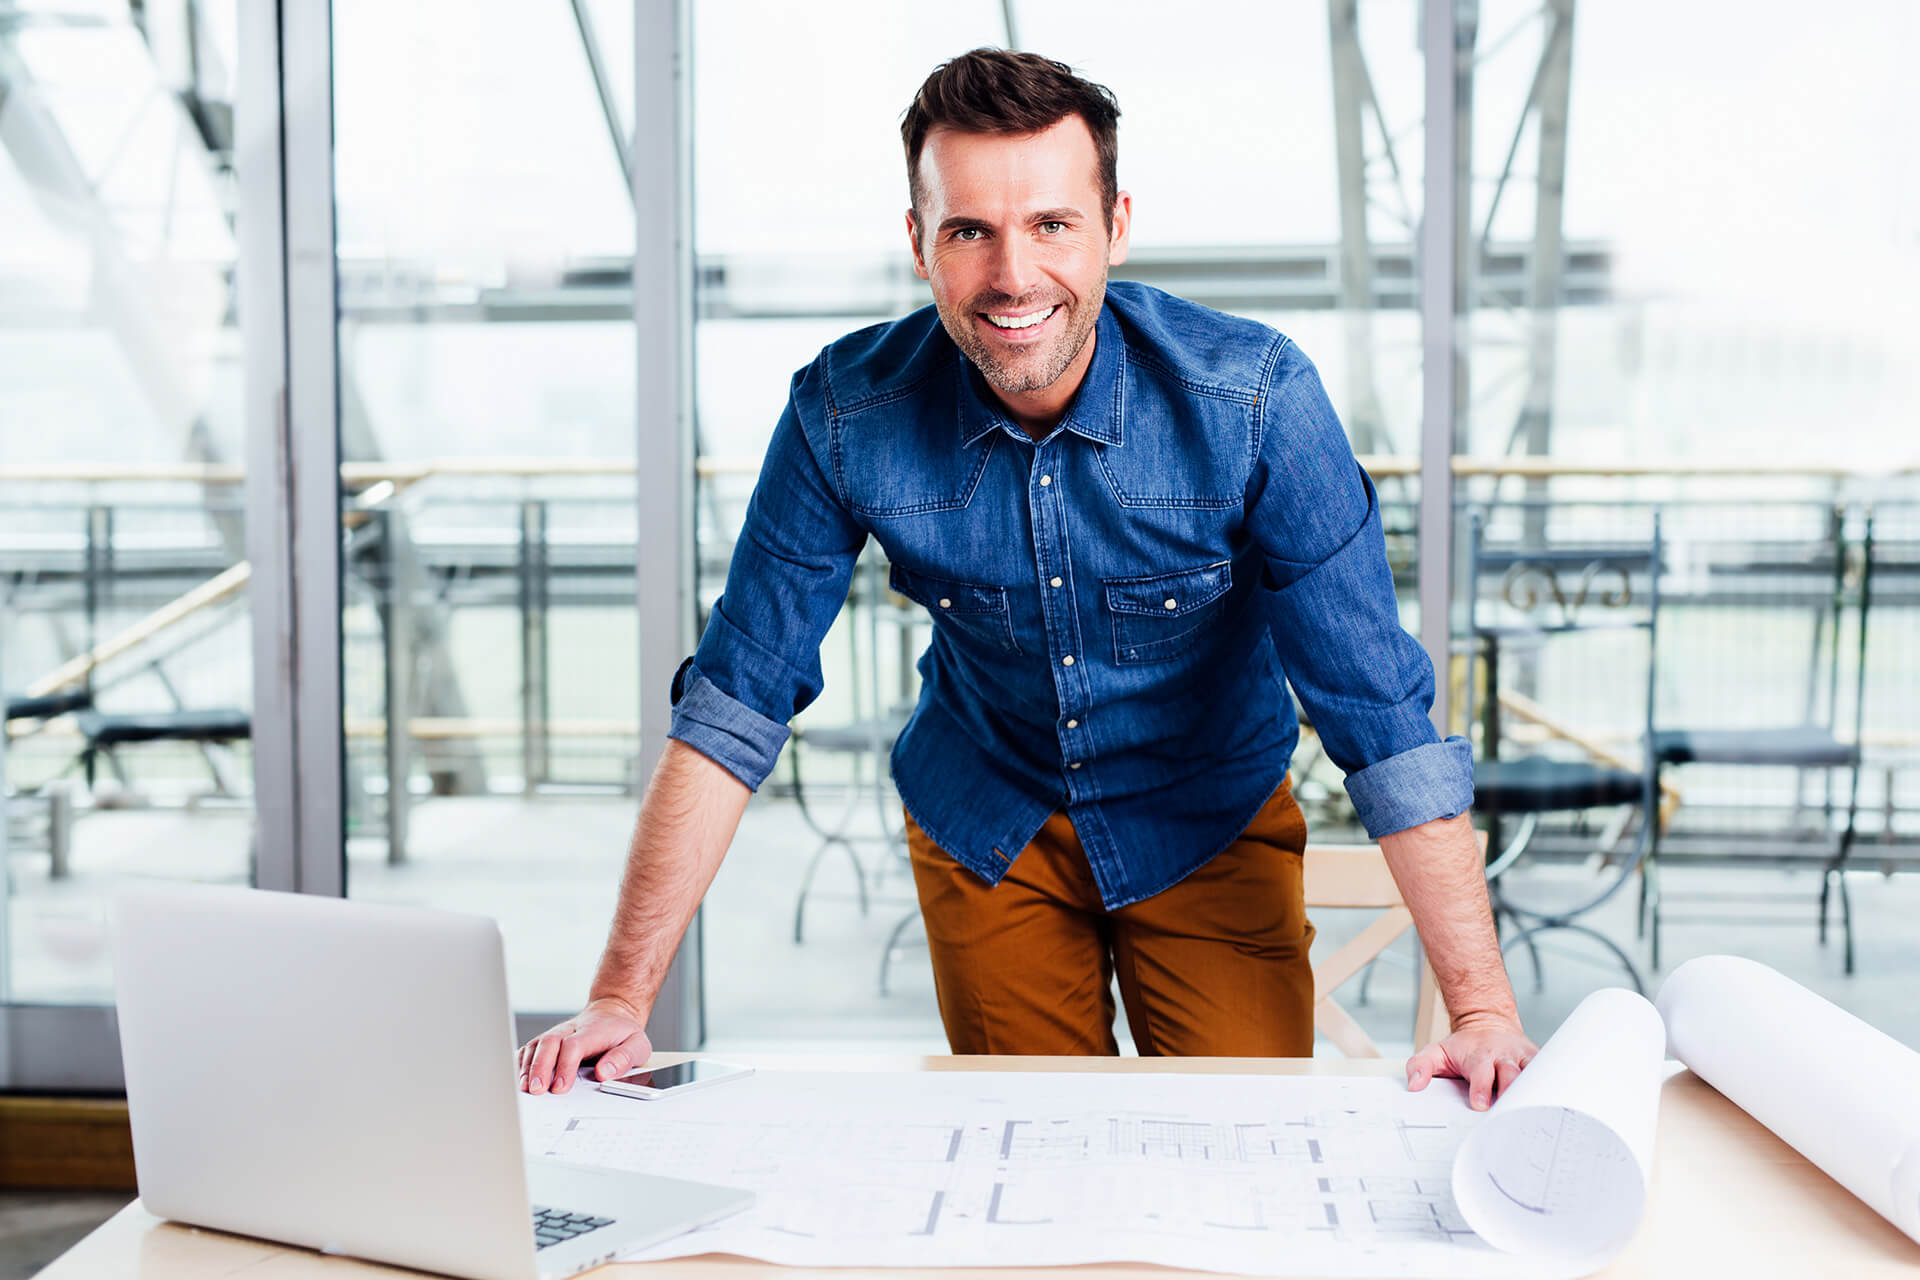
column 1729, row 1199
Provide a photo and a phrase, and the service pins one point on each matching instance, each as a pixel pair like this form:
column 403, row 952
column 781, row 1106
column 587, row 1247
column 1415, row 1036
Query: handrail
column 211, row 592
column 363, row 474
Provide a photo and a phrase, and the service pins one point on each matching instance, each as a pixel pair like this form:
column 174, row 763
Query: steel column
column 1447, row 38
column 663, row 329
column 285, row 161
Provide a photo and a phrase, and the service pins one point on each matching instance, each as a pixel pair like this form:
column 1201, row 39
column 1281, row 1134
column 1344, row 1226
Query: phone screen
column 694, row 1071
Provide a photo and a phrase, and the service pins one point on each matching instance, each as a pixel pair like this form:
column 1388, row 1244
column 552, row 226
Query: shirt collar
column 1094, row 412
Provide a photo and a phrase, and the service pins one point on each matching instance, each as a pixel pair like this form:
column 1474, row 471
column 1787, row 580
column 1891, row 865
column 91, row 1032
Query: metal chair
column 866, row 741
column 1734, row 575
column 1545, row 593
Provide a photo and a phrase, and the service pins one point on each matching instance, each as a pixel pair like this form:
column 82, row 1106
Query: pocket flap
column 1168, row 595
column 944, row 595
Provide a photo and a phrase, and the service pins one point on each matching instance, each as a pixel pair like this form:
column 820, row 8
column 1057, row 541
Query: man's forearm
column 687, row 820
column 1442, row 875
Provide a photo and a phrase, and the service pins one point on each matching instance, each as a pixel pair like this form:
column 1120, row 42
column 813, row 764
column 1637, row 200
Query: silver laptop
column 340, row 1075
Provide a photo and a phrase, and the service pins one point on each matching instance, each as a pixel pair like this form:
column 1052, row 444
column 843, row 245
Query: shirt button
column 1045, row 481
column 1074, row 765
column 1053, row 582
column 1173, row 604
column 1067, row 661
column 1073, row 724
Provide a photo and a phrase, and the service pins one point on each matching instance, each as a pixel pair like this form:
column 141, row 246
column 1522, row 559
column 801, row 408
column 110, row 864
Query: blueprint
column 1277, row 1175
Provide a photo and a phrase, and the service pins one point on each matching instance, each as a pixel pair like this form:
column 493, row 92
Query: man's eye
column 1057, row 227
column 966, row 233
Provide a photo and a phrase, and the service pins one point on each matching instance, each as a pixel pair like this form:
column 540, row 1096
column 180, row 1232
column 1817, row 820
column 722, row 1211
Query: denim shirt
column 1117, row 608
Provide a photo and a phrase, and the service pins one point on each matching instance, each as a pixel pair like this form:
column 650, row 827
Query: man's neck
column 1039, row 412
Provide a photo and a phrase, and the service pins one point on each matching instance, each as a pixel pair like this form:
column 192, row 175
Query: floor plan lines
column 997, row 1218
column 1232, row 1173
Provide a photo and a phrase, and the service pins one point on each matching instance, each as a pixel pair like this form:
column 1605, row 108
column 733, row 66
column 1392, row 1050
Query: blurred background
column 1675, row 604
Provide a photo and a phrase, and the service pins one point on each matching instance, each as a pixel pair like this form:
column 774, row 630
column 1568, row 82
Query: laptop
column 340, row 1075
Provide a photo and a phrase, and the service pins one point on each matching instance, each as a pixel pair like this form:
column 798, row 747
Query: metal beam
column 603, row 89
column 285, row 159
column 1552, row 92
column 748, row 286
column 1363, row 414
column 261, row 295
column 1448, row 31
column 663, row 327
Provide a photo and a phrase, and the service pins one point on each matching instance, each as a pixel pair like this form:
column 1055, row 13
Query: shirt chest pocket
column 1159, row 617
column 978, row 612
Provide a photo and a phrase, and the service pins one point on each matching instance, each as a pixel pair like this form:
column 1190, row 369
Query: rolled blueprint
column 1845, row 1096
column 1560, row 1168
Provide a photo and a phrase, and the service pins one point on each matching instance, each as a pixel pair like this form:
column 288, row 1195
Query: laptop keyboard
column 554, row 1226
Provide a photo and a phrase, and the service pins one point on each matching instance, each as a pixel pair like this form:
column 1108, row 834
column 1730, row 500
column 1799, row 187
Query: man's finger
column 1480, row 1075
column 1424, row 1066
column 624, row 1055
column 540, row 1074
column 579, row 1045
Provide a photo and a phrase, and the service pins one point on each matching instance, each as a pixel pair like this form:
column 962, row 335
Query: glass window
column 487, row 405
column 125, row 649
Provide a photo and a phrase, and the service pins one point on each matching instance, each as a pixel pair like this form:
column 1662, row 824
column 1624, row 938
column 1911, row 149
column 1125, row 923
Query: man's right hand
column 609, row 1027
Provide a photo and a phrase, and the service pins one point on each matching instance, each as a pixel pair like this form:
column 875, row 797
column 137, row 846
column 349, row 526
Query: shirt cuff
column 723, row 729
column 1432, row 780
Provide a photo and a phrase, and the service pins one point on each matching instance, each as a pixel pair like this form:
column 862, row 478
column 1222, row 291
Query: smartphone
column 658, row 1082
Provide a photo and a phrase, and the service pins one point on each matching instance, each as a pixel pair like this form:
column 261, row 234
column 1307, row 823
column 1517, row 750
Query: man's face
column 1012, row 237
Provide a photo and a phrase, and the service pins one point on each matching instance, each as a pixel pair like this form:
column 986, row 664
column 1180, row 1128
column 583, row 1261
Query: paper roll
column 1845, row 1096
column 1561, row 1166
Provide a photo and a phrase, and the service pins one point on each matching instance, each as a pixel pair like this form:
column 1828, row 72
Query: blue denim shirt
column 1117, row 608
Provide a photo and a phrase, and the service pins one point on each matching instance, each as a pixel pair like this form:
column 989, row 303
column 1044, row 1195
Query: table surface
column 1728, row 1198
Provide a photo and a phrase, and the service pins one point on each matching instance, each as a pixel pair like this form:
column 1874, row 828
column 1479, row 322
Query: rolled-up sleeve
column 1335, row 621
column 758, row 663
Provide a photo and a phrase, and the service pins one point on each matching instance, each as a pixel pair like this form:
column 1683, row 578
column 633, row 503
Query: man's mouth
column 1021, row 322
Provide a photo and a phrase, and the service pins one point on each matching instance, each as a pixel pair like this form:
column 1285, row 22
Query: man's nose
column 1015, row 272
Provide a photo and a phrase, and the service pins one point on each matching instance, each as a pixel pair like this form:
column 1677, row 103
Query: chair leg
column 893, row 945
column 1840, row 874
column 1846, row 922
column 1650, row 905
column 1826, row 890
column 806, row 882
column 1640, row 916
column 1653, row 930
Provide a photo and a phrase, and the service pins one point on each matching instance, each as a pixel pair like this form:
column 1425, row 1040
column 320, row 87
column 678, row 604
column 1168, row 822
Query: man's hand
column 611, row 1028
column 1486, row 1052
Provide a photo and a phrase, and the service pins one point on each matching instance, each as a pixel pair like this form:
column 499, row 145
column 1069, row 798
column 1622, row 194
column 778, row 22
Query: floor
column 547, row 870
column 38, row 1226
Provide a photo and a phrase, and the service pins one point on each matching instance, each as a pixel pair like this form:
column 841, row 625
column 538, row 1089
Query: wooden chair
column 1356, row 876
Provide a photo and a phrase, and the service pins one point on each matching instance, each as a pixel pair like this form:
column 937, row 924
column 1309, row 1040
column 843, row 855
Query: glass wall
column 124, row 628
column 1688, row 268
column 487, row 406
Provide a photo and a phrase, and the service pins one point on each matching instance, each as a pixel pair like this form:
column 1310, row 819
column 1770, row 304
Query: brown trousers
column 1213, row 965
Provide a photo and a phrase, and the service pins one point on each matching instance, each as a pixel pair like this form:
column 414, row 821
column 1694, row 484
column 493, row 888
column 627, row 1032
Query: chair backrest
column 1537, row 572
column 1356, row 876
column 1766, row 590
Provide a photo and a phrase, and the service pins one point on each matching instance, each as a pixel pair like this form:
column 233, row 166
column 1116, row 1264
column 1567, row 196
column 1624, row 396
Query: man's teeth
column 1020, row 322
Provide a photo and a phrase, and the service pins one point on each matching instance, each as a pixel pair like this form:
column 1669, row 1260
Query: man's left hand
column 1485, row 1052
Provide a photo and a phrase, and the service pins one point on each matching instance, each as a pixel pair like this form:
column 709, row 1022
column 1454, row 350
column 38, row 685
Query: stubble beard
column 1032, row 370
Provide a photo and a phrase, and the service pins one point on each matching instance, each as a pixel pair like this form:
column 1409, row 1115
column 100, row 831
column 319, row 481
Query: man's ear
column 1122, row 229
column 913, row 238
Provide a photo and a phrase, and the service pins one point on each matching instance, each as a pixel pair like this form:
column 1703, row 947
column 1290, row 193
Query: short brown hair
column 1002, row 91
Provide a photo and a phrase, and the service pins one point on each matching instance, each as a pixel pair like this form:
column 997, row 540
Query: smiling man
column 1134, row 521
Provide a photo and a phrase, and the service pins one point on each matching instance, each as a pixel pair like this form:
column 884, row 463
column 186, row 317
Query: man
column 1133, row 521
